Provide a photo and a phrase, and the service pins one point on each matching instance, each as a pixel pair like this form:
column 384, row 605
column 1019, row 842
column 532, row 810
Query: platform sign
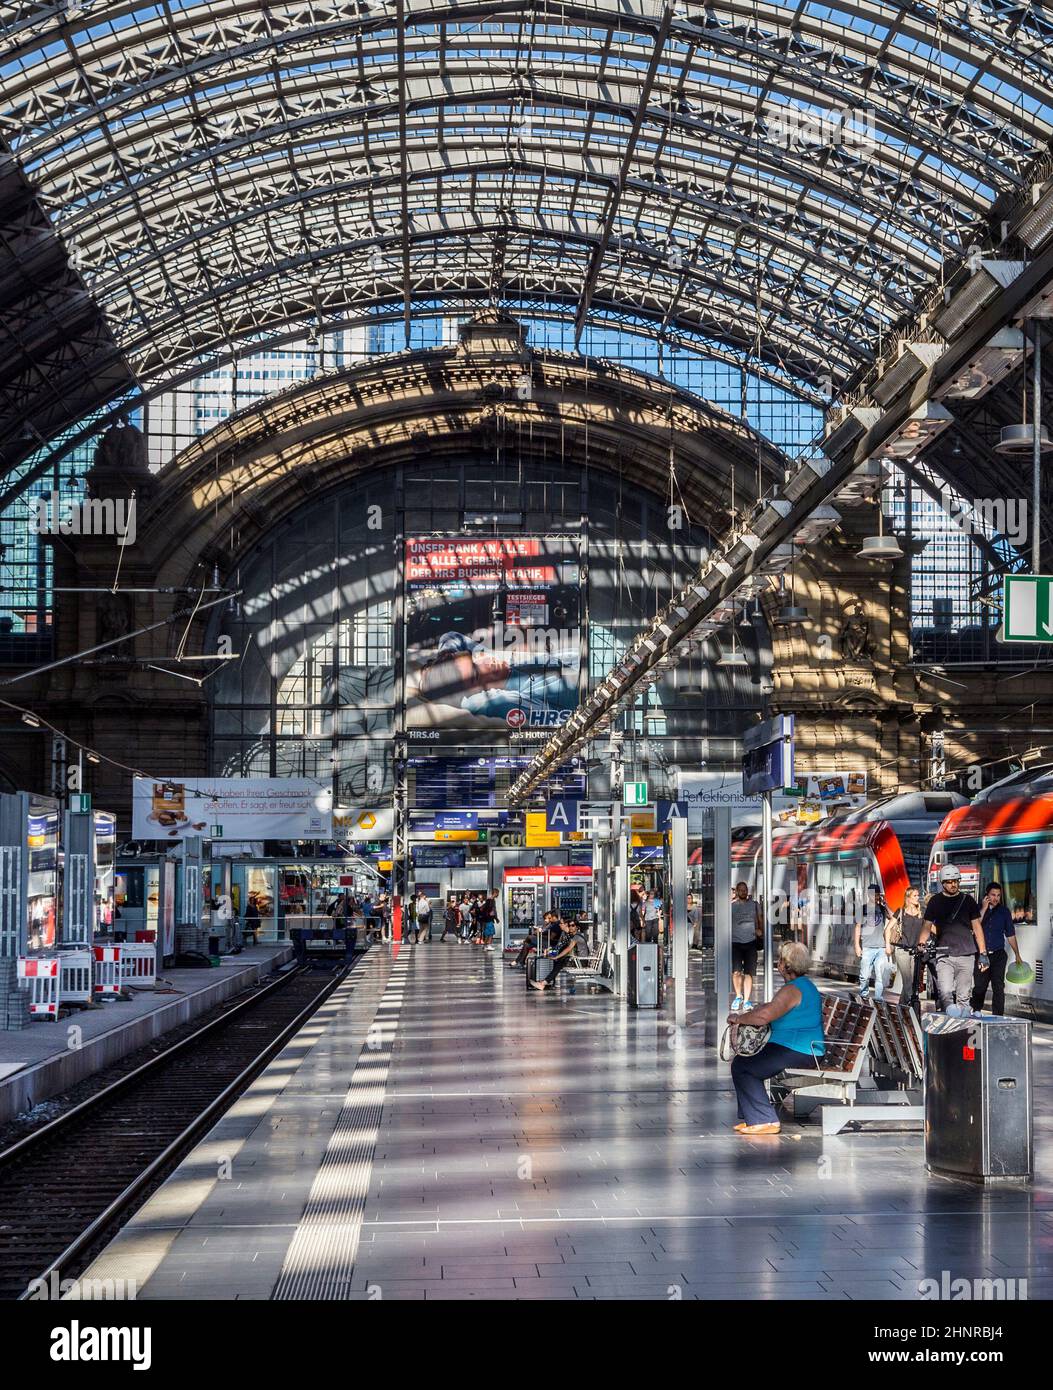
column 538, row 836
column 80, row 802
column 1027, row 608
column 668, row 812
column 767, row 756
column 634, row 794
column 561, row 814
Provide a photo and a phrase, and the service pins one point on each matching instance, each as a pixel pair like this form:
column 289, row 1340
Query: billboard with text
column 492, row 633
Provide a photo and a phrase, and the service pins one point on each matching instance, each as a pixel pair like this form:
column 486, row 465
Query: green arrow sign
column 1027, row 608
column 634, row 794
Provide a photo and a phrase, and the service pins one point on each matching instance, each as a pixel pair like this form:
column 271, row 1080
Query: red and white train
column 1005, row 836
column 821, row 872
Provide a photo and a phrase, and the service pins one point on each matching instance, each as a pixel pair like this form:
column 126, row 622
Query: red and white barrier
column 107, row 971
column 40, row 976
column 75, row 977
column 138, row 964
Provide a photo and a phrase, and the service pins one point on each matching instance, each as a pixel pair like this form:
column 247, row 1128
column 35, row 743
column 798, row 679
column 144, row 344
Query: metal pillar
column 399, row 840
column 621, row 906
column 14, row 876
column 721, row 917
column 766, row 902
column 78, row 878
column 676, row 863
column 1036, row 456
column 190, row 907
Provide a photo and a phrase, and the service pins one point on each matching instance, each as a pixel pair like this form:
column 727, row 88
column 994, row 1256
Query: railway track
column 67, row 1187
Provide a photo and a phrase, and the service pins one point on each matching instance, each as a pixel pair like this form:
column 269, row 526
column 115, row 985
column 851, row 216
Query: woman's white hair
column 796, row 957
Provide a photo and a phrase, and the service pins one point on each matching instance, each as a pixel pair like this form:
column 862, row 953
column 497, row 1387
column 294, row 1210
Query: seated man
column 571, row 942
column 550, row 934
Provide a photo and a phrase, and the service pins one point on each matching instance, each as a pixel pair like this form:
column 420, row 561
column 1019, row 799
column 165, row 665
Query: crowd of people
column 964, row 944
column 468, row 918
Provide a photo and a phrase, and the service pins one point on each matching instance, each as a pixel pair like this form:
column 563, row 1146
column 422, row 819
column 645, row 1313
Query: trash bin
column 644, row 980
column 978, row 1104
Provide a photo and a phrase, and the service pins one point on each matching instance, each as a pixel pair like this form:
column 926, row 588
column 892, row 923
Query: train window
column 916, row 850
column 1015, row 871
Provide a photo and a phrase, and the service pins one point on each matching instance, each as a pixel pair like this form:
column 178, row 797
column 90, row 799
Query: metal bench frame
column 891, row 1041
column 592, row 968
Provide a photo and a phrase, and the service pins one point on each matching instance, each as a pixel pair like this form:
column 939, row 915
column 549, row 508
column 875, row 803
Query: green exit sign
column 1027, row 608
column 216, row 832
column 634, row 794
column 80, row 802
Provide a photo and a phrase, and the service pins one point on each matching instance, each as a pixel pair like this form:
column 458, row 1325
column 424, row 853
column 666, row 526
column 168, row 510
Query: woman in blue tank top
column 796, row 1019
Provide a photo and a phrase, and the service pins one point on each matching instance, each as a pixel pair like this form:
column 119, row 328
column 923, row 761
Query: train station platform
column 439, row 1132
column 47, row 1057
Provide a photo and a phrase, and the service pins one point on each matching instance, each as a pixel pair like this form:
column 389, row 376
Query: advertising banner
column 492, row 633
column 231, row 808
column 818, row 794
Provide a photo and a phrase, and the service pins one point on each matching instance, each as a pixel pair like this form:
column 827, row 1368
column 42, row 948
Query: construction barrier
column 108, row 982
column 75, row 977
column 40, row 976
column 138, row 964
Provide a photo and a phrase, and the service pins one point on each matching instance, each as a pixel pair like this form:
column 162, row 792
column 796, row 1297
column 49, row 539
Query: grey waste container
column 978, row 1107
column 645, row 986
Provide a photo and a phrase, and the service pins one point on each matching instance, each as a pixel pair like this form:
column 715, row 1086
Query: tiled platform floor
column 442, row 1134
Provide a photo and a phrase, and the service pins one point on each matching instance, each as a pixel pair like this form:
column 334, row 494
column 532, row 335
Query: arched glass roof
column 782, row 181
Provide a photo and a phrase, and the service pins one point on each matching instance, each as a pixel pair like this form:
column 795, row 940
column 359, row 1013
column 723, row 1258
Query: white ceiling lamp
column 1018, row 441
column 880, row 547
column 789, row 614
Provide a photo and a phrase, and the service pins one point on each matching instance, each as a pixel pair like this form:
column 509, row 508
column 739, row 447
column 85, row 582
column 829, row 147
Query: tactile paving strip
column 321, row 1256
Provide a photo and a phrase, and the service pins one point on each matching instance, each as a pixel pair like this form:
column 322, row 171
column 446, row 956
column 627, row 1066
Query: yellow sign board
column 384, row 865
column 537, row 836
column 642, row 820
column 647, row 839
column 471, row 835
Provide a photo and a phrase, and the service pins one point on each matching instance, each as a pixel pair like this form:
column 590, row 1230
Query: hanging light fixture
column 1018, row 441
column 736, row 657
column 880, row 547
column 789, row 614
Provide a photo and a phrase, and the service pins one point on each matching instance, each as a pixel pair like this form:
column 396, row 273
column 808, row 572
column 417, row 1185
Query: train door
column 838, row 893
column 1025, row 874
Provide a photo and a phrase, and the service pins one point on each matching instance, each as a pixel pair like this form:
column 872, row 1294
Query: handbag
column 744, row 1040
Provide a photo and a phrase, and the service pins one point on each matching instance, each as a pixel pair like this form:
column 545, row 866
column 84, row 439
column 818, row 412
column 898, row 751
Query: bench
column 592, row 968
column 886, row 1036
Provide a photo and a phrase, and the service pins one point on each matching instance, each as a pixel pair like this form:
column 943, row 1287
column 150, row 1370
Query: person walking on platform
column 488, row 917
column 746, row 932
column 464, row 912
column 652, row 917
column 421, row 916
column 795, row 1017
column 999, row 930
column 873, row 950
column 902, row 934
column 961, row 950
column 451, row 919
